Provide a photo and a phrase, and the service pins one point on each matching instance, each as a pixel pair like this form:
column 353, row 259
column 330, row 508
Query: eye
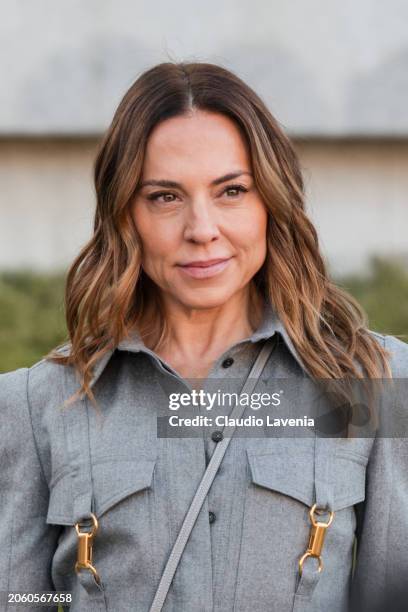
column 236, row 188
column 153, row 197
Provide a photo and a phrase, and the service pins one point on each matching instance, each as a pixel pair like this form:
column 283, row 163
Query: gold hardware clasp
column 85, row 541
column 316, row 538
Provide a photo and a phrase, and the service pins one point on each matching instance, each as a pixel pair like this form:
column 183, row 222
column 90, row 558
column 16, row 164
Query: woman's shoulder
column 31, row 402
column 36, row 389
column 13, row 387
column 43, row 371
column 398, row 350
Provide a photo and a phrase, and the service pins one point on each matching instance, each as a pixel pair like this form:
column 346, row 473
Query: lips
column 205, row 269
column 204, row 264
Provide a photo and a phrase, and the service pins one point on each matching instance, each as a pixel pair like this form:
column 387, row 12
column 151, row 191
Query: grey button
column 217, row 436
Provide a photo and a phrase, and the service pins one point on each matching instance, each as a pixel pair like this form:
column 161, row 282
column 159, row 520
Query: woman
column 202, row 263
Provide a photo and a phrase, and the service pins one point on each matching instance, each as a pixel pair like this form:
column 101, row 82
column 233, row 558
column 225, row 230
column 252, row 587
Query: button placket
column 217, row 435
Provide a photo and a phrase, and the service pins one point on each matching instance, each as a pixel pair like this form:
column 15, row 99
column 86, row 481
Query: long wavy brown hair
column 107, row 294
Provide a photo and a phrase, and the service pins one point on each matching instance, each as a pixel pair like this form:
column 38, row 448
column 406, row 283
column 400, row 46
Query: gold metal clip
column 85, row 541
column 316, row 538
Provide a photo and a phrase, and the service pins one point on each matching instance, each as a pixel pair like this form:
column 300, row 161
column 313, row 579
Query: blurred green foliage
column 31, row 317
column 383, row 293
column 32, row 308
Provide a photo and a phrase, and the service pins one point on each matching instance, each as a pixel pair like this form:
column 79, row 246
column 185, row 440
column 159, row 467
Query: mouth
column 205, row 269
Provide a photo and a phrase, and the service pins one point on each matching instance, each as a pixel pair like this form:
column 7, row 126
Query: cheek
column 251, row 233
column 156, row 254
column 157, row 236
column 257, row 229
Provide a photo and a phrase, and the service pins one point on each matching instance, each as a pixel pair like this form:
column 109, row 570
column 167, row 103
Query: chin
column 204, row 299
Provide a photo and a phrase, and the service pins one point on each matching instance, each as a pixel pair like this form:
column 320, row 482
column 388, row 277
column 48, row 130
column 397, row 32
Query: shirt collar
column 269, row 325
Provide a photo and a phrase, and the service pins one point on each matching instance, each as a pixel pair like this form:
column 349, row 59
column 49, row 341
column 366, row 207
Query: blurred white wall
column 334, row 73
column 326, row 67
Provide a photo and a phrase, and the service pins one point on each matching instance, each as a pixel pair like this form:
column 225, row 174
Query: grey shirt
column 59, row 464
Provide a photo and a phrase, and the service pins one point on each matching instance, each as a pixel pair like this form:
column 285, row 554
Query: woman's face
column 197, row 203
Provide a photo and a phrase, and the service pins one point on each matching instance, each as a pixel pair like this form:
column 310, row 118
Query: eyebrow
column 175, row 184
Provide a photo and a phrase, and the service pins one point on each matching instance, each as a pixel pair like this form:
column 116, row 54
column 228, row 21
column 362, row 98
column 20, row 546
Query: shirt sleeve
column 27, row 542
column 380, row 580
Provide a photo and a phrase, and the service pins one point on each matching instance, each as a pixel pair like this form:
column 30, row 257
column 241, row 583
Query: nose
column 201, row 221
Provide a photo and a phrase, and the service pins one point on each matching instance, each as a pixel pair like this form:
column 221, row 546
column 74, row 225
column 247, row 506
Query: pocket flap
column 292, row 473
column 350, row 479
column 113, row 481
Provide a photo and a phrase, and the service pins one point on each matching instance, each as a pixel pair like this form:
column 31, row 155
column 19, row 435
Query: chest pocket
column 113, row 482
column 120, row 502
column 293, row 474
column 285, row 480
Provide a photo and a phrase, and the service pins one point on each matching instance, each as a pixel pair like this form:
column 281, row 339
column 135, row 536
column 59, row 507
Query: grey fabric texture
column 58, row 464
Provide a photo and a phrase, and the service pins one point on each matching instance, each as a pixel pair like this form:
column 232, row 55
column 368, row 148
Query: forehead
column 201, row 141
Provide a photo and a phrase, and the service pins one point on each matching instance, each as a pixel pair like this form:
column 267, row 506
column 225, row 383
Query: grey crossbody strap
column 207, row 480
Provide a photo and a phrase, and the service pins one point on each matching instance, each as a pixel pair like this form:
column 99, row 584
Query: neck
column 202, row 334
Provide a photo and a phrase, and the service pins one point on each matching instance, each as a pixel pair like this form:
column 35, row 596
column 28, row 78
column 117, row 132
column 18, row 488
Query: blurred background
column 334, row 73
